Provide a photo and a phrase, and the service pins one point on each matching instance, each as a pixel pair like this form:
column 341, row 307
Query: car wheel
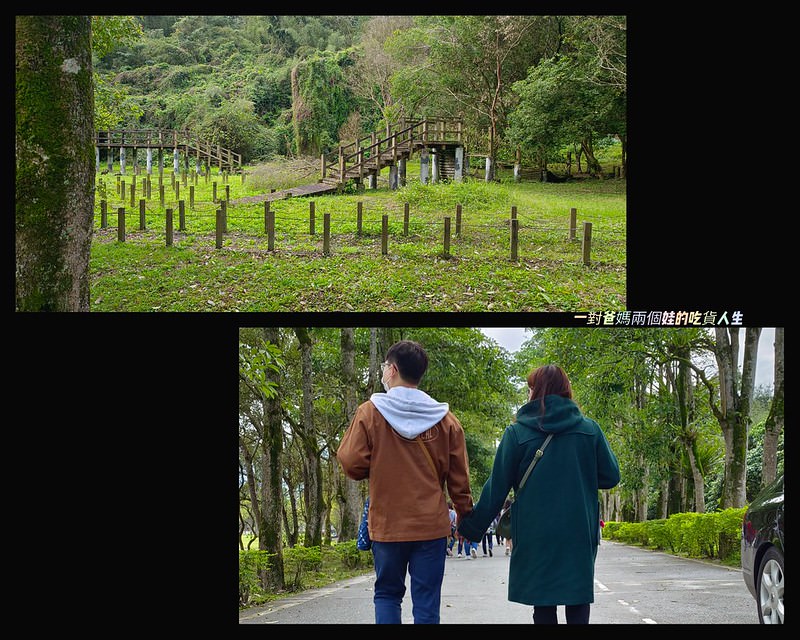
column 770, row 588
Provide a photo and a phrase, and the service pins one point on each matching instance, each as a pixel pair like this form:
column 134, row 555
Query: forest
column 267, row 86
column 691, row 430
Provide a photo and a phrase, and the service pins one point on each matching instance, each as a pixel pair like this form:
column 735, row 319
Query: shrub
column 250, row 563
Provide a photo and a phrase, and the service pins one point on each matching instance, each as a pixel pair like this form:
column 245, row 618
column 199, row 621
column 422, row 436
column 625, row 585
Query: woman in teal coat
column 555, row 518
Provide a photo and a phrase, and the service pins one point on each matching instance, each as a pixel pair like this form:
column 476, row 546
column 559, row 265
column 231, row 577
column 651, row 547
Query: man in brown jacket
column 408, row 445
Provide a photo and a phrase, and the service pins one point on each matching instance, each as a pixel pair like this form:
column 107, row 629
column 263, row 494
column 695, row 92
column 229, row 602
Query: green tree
column 113, row 103
column 54, row 162
column 566, row 99
column 321, row 101
column 261, row 442
column 468, row 64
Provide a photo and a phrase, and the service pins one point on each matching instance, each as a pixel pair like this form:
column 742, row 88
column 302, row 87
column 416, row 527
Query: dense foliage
column 282, row 85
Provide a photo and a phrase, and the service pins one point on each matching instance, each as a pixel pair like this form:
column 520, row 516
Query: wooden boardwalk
column 304, row 190
column 161, row 139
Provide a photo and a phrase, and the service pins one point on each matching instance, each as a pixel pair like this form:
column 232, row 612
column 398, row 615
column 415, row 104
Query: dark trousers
column 424, row 562
column 575, row 613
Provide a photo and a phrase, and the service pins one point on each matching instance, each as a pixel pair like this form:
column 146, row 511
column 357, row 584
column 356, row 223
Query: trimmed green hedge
column 695, row 535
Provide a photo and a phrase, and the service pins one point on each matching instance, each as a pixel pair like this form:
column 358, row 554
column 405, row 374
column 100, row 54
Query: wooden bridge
column 366, row 157
column 181, row 141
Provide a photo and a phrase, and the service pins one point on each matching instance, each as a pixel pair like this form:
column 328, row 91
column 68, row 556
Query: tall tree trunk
column 733, row 414
column 269, row 524
column 55, row 167
column 312, row 466
column 774, row 423
column 349, row 494
column 683, row 389
column 592, row 165
column 663, row 502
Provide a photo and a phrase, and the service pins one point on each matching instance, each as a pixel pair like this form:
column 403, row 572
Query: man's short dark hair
column 410, row 359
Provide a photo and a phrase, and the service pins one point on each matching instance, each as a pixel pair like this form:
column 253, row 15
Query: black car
column 762, row 551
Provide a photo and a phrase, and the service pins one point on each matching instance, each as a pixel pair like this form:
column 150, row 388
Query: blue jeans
column 424, row 562
column 467, row 545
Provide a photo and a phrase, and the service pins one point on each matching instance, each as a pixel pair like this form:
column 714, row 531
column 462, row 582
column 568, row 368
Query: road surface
column 632, row 586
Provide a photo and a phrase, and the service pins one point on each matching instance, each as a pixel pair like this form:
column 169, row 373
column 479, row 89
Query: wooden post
column 122, row 190
column 181, row 215
column 269, row 223
column 177, row 190
column 405, row 219
column 573, row 224
column 514, row 212
column 458, row 220
column 169, row 227
column 161, row 193
column 311, row 218
column 220, row 223
column 133, row 193
column 191, row 197
column 214, row 191
column 587, row 242
column 385, row 234
column 149, row 184
column 227, row 190
column 224, row 205
column 359, row 218
column 514, row 238
column 446, row 253
column 142, row 221
column 326, row 234
column 322, row 167
column 103, row 214
column 121, row 224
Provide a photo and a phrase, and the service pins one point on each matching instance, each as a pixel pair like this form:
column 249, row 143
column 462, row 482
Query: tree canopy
column 277, row 85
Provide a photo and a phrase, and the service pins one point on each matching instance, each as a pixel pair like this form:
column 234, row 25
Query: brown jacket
column 406, row 500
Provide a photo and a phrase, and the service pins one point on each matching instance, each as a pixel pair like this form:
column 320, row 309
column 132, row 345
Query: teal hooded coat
column 555, row 519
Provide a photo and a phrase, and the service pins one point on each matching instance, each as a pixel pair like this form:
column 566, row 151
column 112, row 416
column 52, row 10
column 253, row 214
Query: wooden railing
column 370, row 153
column 168, row 139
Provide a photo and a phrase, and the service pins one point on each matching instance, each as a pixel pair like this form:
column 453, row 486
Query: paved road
column 632, row 586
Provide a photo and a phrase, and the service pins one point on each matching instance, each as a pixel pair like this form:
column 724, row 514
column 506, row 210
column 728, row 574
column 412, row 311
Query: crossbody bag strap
column 536, row 457
column 430, row 460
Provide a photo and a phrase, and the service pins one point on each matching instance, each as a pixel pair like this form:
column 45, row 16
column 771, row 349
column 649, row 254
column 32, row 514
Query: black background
column 125, row 421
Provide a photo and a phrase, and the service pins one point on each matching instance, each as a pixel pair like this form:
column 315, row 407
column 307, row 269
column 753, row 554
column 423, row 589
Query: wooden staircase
column 369, row 155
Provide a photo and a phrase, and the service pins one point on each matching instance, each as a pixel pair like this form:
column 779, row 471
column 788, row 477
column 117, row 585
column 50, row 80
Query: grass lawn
column 143, row 274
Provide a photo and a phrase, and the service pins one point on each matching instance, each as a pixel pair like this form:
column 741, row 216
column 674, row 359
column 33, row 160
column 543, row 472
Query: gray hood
column 409, row 411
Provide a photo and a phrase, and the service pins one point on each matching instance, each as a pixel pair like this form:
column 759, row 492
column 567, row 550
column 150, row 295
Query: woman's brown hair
column 548, row 380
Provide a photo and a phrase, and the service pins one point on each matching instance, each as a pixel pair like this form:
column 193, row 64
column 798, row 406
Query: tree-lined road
column 632, row 586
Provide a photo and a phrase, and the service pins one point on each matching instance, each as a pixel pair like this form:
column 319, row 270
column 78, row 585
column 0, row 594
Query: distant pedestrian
column 488, row 538
column 452, row 539
column 555, row 517
column 506, row 506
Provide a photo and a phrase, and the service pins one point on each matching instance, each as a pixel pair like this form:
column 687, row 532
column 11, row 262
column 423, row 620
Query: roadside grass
column 143, row 274
column 303, row 569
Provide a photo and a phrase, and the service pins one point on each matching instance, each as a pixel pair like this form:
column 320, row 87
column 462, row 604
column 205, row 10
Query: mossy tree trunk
column 348, row 491
column 55, row 166
column 733, row 413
